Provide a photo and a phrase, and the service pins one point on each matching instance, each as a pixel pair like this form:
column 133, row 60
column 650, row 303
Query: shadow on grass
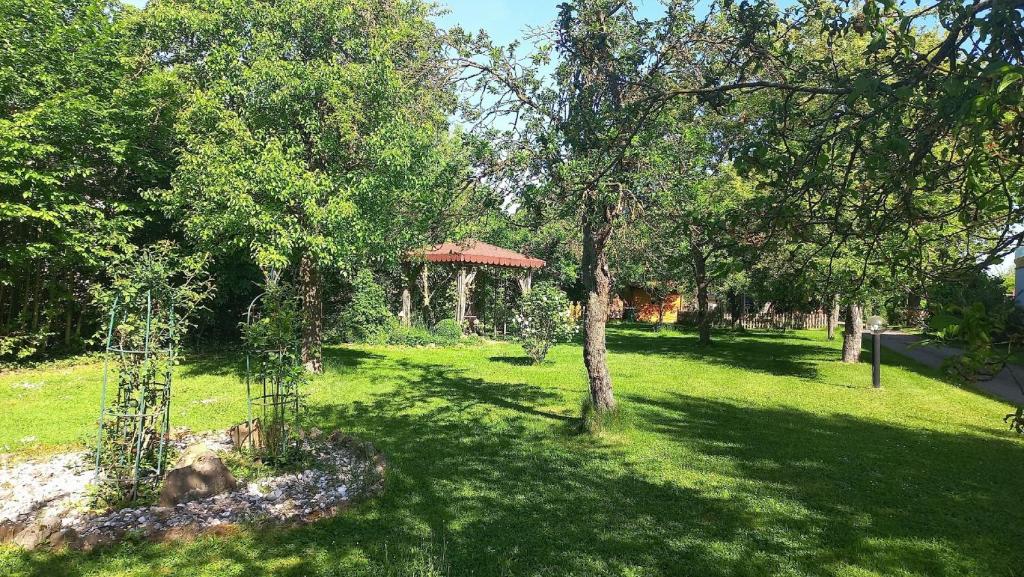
column 761, row 352
column 716, row 490
column 228, row 363
column 510, row 360
column 220, row 363
column 347, row 358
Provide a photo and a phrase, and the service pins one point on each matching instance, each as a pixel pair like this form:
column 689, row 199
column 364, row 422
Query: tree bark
column 597, row 281
column 68, row 322
column 833, row 318
column 700, row 276
column 312, row 315
column 734, row 308
column 853, row 328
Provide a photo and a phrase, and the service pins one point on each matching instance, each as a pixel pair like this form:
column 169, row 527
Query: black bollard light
column 876, row 325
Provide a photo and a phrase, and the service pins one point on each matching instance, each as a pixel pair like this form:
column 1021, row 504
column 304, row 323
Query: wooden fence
column 768, row 320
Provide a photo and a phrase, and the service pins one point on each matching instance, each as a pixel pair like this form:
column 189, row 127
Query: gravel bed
column 45, row 502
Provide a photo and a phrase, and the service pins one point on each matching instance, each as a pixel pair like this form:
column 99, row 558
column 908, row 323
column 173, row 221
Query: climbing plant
column 274, row 372
column 153, row 294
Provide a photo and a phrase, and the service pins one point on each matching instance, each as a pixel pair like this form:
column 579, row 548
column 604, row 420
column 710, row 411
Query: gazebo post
column 425, row 279
column 525, row 281
column 463, row 281
column 407, row 282
column 460, row 295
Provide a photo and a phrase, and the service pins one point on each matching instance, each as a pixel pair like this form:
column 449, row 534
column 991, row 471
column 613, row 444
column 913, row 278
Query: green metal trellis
column 273, row 401
column 132, row 431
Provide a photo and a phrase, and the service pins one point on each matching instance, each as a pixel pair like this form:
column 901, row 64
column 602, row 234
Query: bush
column 366, row 318
column 410, row 336
column 448, row 331
column 543, row 319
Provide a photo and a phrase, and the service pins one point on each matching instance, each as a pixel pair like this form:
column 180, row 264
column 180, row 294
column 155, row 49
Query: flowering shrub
column 542, row 320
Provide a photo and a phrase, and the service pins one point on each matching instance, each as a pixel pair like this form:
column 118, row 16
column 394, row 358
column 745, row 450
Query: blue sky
column 504, row 20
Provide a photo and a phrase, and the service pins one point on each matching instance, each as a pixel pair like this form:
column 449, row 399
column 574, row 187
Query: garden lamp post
column 876, row 325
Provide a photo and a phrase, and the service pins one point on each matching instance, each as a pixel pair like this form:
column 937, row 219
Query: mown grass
column 759, row 455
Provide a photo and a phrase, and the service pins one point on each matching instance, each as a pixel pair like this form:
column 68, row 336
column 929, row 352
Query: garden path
column 1003, row 385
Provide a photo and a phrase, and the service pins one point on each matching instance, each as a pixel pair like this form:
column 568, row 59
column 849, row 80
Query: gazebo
column 467, row 255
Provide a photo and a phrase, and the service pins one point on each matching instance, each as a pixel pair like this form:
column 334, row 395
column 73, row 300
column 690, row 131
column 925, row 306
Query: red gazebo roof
column 472, row 251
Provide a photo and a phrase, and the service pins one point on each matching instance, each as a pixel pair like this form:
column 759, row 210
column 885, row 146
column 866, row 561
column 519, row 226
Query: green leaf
column 1007, row 81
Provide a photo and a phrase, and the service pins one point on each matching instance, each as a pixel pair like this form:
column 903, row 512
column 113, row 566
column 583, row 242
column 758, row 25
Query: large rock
column 34, row 535
column 199, row 473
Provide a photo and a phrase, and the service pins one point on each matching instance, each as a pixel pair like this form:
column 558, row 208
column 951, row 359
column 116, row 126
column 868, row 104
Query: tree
column 708, row 212
column 80, row 136
column 315, row 132
column 582, row 134
column 896, row 168
column 576, row 143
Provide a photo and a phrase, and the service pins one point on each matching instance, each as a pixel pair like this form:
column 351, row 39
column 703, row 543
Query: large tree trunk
column 734, row 308
column 312, row 315
column 700, row 276
column 833, row 318
column 853, row 328
column 597, row 281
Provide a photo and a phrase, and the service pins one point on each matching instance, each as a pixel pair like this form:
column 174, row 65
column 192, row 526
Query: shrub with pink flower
column 542, row 320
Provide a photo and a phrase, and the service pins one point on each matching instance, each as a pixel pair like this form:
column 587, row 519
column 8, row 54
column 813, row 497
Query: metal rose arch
column 135, row 401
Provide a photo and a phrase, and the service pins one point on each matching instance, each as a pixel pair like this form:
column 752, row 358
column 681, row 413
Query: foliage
column 889, row 163
column 963, row 290
column 152, row 300
column 445, row 333
column 276, row 321
column 366, row 316
column 972, row 311
column 80, row 135
column 313, row 134
column 542, row 320
column 274, row 371
column 448, row 330
column 169, row 279
column 410, row 336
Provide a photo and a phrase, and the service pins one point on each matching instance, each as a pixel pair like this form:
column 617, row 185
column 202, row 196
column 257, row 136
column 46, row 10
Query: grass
column 759, row 455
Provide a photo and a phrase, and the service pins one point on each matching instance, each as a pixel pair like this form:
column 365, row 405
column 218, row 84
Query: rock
column 92, row 540
column 33, row 535
column 64, row 538
column 245, row 437
column 179, row 433
column 199, row 473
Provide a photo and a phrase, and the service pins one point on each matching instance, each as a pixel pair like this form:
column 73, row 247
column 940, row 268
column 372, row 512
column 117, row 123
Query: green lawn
column 757, row 456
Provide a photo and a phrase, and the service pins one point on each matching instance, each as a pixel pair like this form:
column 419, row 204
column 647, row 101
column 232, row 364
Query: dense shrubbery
column 974, row 312
column 445, row 333
column 448, row 329
column 543, row 320
column 366, row 318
